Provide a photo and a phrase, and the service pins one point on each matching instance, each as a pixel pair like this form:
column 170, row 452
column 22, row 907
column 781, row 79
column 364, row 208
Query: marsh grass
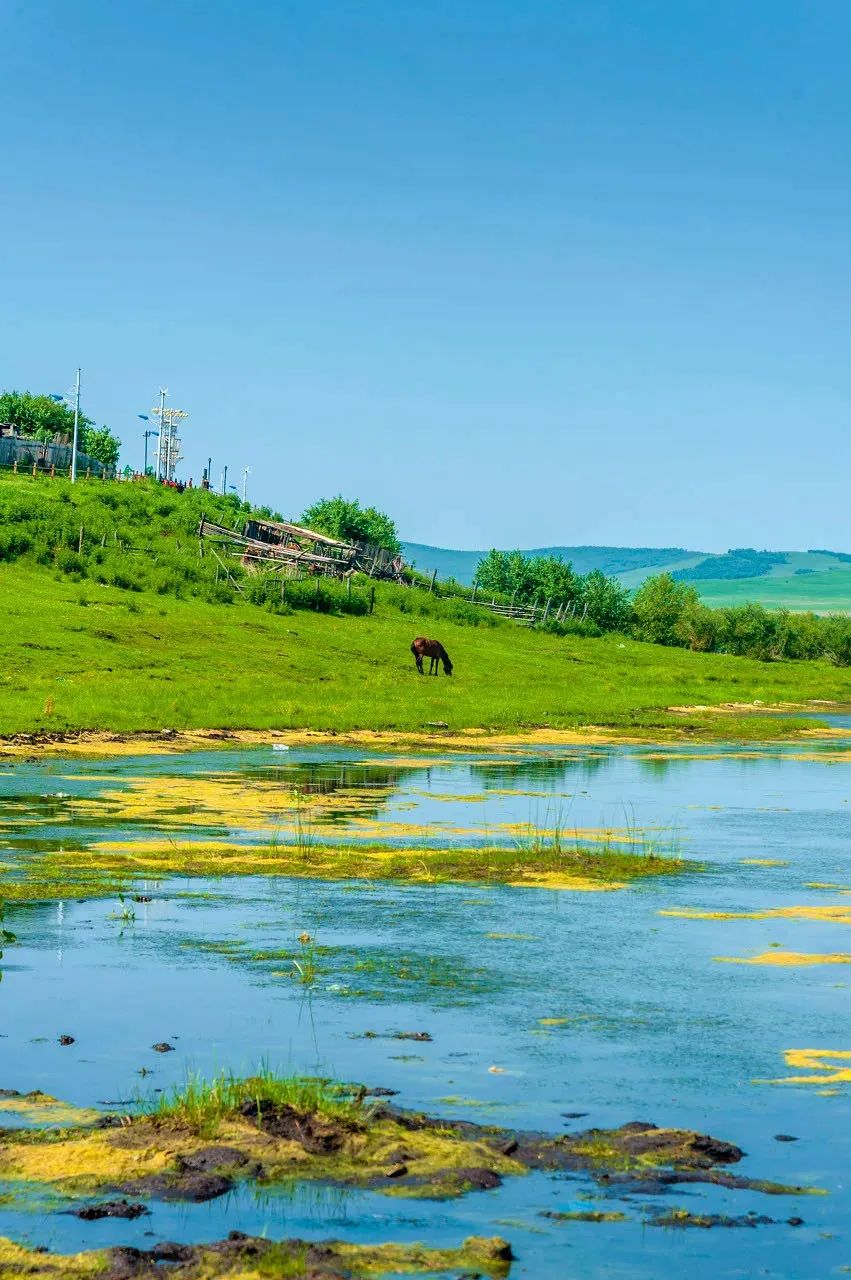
column 551, row 846
column 126, row 913
column 82, row 874
column 203, row 1104
column 306, row 967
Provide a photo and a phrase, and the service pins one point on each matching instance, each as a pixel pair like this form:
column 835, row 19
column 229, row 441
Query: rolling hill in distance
column 818, row 579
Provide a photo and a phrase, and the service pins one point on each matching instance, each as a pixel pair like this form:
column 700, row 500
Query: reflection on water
column 538, row 1003
column 248, row 797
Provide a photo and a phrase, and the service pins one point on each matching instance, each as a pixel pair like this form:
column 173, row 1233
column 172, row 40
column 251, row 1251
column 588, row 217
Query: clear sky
column 520, row 273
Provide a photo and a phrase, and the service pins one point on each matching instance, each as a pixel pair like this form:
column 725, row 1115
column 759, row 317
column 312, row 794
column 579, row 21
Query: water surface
column 538, row 1002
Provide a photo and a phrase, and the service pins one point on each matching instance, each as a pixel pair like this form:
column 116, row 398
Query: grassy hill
column 100, row 657
column 818, row 580
column 135, row 632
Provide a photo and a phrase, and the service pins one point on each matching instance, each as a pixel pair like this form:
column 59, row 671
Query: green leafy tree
column 658, row 607
column 491, row 572
column 39, row 417
column 608, row 602
column 99, row 443
column 553, row 580
column 508, row 572
column 698, row 627
column 346, row 519
column 42, row 418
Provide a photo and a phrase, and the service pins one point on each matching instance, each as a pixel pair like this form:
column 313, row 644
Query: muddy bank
column 102, row 743
column 262, row 1133
column 248, row 1257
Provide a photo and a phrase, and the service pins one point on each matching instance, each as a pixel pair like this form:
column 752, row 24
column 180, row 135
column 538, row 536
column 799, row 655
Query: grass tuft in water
column 305, row 969
column 201, row 1104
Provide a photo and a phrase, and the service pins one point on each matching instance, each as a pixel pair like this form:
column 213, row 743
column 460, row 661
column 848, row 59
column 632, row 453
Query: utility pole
column 245, row 474
column 224, row 481
column 163, row 394
column 76, row 429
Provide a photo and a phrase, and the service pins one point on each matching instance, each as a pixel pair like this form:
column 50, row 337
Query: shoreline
column 168, row 741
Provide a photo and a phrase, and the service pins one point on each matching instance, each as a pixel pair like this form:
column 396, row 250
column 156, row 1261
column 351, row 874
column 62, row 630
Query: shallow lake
column 538, row 1002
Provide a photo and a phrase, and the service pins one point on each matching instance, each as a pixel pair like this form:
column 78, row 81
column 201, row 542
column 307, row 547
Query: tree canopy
column 99, row 443
column 536, row 579
column 346, row 519
column 41, row 418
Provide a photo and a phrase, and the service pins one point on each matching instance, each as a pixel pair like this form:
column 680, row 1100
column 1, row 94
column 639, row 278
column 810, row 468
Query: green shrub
column 658, row 608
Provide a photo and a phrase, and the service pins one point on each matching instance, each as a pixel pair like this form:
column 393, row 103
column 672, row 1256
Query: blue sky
column 520, row 274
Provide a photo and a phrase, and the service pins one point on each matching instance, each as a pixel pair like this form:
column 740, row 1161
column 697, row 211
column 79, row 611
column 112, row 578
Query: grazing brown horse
column 433, row 649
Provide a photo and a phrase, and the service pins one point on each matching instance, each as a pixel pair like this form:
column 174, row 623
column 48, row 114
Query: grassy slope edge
column 87, row 656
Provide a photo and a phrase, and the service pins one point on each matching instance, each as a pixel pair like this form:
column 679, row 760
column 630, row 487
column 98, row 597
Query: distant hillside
column 619, row 561
column 817, row 580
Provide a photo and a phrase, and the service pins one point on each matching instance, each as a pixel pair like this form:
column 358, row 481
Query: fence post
column 34, row 469
column 433, row 576
column 371, row 599
column 53, row 470
column 348, row 588
column 546, row 611
column 15, row 467
column 475, row 589
column 80, row 542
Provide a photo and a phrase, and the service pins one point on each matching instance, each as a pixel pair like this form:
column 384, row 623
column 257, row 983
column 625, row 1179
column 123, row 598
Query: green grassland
column 93, row 656
column 821, row 591
column 126, row 626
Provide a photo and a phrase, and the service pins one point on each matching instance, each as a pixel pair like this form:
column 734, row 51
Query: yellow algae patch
column 477, row 1255
column 83, row 1161
column 89, row 1159
column 512, row 937
column 446, row 797
column 788, row 958
column 763, row 862
column 18, row 1260
column 826, row 1066
column 556, row 880
column 583, row 869
column 553, row 1022
column 839, row 913
column 228, row 800
column 42, row 1109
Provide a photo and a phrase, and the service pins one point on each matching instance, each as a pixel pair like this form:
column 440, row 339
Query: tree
column 607, row 601
column 509, row 572
column 38, row 417
column 346, row 519
column 42, row 418
column 659, row 605
column 99, row 443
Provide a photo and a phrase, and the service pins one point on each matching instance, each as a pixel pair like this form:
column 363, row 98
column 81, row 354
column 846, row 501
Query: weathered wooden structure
column 292, row 549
